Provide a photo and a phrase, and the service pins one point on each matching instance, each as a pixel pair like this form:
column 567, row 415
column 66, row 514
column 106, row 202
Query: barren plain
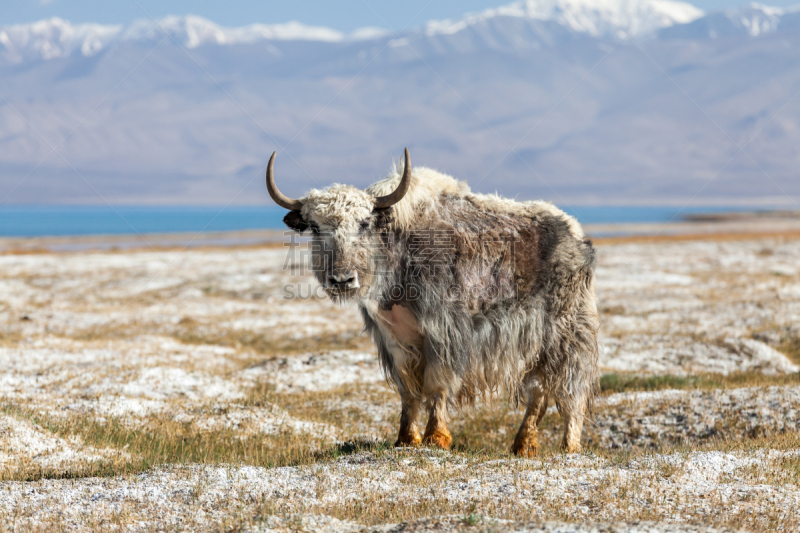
column 189, row 389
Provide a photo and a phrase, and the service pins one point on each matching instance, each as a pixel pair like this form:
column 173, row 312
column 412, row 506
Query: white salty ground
column 647, row 419
column 137, row 334
column 680, row 488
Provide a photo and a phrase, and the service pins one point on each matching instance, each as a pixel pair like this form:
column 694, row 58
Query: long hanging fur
column 511, row 294
column 502, row 291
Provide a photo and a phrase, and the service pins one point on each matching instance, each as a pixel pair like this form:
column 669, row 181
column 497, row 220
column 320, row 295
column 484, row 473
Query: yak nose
column 348, row 280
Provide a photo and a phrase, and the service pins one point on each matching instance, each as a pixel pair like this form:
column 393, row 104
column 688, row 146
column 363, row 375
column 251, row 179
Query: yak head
column 347, row 247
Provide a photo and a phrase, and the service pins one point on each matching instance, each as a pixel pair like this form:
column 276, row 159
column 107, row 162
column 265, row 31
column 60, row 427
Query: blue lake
column 31, row 221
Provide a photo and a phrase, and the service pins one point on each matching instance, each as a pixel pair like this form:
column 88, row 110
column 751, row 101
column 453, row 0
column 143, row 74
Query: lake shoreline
column 727, row 226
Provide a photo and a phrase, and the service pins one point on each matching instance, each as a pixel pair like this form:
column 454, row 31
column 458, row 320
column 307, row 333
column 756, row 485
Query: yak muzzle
column 342, row 282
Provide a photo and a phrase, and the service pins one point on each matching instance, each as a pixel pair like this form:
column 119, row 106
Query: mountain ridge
column 522, row 105
column 56, row 37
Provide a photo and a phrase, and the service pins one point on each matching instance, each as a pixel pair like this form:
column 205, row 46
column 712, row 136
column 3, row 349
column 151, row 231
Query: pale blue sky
column 343, row 15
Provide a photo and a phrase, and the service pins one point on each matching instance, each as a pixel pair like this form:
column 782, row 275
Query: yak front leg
column 409, row 433
column 436, row 432
column 525, row 443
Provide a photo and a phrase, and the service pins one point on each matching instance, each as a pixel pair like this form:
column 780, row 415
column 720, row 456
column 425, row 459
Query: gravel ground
column 459, row 524
column 678, row 487
column 181, row 340
column 648, row 419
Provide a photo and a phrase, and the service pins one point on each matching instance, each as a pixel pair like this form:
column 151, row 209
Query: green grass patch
column 620, row 382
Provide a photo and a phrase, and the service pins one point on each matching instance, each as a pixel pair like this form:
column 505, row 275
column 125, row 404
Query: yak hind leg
column 573, row 410
column 436, row 432
column 409, row 433
column 572, row 431
column 526, row 443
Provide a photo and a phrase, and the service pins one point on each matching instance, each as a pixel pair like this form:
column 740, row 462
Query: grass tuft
column 159, row 441
column 190, row 332
column 620, row 382
column 790, row 346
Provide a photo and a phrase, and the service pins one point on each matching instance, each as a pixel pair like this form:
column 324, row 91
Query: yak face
column 347, row 248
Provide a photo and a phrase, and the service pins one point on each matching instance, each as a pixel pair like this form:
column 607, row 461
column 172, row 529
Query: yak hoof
column 571, row 448
column 525, row 447
column 440, row 438
column 408, row 439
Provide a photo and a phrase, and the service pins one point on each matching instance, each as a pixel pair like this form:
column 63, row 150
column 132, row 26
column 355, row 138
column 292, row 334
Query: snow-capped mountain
column 54, row 37
column 47, row 39
column 570, row 100
column 754, row 20
column 550, row 20
column 618, row 18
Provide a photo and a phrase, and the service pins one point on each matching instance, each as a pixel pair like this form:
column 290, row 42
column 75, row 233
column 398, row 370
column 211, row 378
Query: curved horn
column 382, row 202
column 280, row 199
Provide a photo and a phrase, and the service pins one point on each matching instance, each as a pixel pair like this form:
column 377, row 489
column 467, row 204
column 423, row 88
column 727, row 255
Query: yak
column 466, row 296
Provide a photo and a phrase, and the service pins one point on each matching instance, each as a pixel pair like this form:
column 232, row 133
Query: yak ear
column 383, row 216
column 295, row 221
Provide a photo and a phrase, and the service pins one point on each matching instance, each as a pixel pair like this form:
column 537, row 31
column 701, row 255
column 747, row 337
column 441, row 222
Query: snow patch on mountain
column 194, row 31
column 757, row 19
column 53, row 38
column 618, row 18
column 754, row 20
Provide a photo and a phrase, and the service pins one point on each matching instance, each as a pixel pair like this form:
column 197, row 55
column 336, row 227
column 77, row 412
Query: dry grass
column 481, row 436
column 366, row 414
column 690, row 237
column 621, row 382
column 9, row 337
column 30, row 472
column 381, row 508
column 189, row 331
column 484, row 431
column 639, row 497
column 487, row 430
column 783, row 470
column 101, row 247
column 276, row 245
column 36, row 250
column 790, row 346
column 158, row 441
column 481, row 432
column 346, row 407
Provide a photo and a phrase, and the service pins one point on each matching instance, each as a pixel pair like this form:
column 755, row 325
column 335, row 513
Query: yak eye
column 364, row 226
